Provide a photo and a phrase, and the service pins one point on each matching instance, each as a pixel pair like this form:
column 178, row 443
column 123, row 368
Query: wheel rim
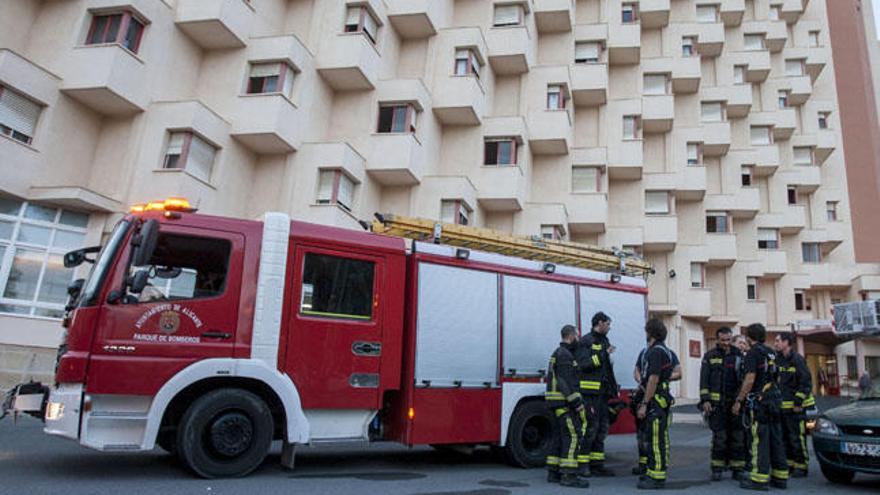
column 536, row 435
column 230, row 434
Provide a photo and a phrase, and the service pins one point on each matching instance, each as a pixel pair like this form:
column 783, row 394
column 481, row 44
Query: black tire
column 532, row 435
column 225, row 433
column 836, row 475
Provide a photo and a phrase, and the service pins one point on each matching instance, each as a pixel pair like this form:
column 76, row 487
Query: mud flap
column 26, row 398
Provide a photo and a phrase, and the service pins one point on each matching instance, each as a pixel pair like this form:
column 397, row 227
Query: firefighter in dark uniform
column 597, row 385
column 567, row 405
column 796, row 386
column 653, row 410
column 637, row 397
column 720, row 382
column 760, row 396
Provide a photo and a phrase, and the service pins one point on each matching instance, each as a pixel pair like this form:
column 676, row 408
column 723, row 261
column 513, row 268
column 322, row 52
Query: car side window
column 186, row 267
column 337, row 287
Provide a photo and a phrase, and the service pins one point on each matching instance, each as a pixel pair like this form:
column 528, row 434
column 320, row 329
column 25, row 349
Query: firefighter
column 642, row 467
column 719, row 383
column 597, row 385
column 567, row 404
column 653, row 410
column 759, row 394
column 796, row 386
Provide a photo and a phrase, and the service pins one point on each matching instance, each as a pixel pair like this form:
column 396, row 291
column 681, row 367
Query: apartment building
column 703, row 135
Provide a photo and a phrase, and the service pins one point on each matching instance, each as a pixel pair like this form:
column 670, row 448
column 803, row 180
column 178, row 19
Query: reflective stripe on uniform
column 809, row 401
column 716, row 361
column 661, row 401
column 596, row 360
column 803, row 436
column 787, row 404
column 704, row 391
column 718, row 463
column 596, row 347
column 755, row 472
column 655, row 444
column 715, row 396
column 780, row 474
column 597, row 456
column 570, row 459
column 573, row 397
column 583, row 459
column 590, row 385
column 552, row 460
column 737, row 464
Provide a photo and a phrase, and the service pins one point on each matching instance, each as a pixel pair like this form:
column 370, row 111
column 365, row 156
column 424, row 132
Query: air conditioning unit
column 857, row 317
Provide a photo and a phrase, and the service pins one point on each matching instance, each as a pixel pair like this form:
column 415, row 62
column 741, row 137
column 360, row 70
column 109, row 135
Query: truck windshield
column 98, row 273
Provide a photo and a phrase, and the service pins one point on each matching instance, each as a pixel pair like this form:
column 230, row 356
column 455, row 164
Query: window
column 694, row 154
column 556, row 97
column 657, row 202
column 775, row 11
column 359, row 19
column 707, row 13
column 501, row 151
column 18, row 115
column 189, row 268
column 800, row 302
column 455, row 211
column 187, row 151
column 629, row 13
column 631, row 127
column 656, row 84
column 121, row 27
column 753, row 41
column 747, row 174
column 508, row 15
column 552, row 232
column 585, row 179
column 823, row 119
column 396, row 118
column 587, row 52
column 712, row 111
column 782, row 98
column 275, row 77
column 33, row 240
column 688, row 46
column 717, row 223
column 751, row 288
column 852, row 368
column 768, row 239
column 831, row 211
column 811, row 252
column 632, row 248
column 335, row 187
column 760, row 135
column 336, row 287
column 739, row 74
column 794, row 67
column 792, row 195
column 467, row 63
column 813, row 39
column 803, row 155
column 698, row 276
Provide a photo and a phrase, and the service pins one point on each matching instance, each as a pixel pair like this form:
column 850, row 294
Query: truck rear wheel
column 532, row 435
column 225, row 433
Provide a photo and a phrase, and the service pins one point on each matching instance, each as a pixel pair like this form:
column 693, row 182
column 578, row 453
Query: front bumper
column 829, row 450
column 63, row 410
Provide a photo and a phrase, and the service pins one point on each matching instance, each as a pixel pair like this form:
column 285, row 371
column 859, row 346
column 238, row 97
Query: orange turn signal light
column 170, row 204
column 411, row 414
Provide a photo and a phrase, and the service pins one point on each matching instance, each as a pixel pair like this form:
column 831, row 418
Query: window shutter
column 794, row 67
column 693, row 151
column 760, row 135
column 371, row 26
column 200, row 160
column 657, row 202
column 289, row 76
column 655, row 84
column 629, row 127
column 739, row 74
column 447, row 212
column 353, row 16
column 584, row 179
column 588, row 50
column 766, row 235
column 325, row 185
column 507, row 15
column 265, row 70
column 462, row 54
column 18, row 112
column 712, row 112
column 803, row 155
column 175, row 143
column 345, row 194
column 707, row 13
column 753, row 42
column 696, row 275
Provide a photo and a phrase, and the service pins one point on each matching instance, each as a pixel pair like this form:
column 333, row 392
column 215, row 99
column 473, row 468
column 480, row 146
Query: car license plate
column 864, row 449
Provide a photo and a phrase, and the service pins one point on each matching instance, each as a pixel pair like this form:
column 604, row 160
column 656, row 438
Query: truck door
column 335, row 341
column 188, row 312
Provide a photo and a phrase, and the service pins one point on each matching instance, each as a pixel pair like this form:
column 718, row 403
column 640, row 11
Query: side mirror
column 75, row 258
column 145, row 243
column 75, row 287
column 139, row 281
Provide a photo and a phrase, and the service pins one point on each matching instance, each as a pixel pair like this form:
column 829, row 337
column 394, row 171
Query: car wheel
column 225, row 433
column 532, row 435
column 837, row 475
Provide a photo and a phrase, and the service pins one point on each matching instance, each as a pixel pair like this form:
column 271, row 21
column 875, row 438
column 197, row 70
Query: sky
column 876, row 6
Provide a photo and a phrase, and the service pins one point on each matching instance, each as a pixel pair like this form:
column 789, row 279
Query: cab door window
column 336, row 287
column 186, row 267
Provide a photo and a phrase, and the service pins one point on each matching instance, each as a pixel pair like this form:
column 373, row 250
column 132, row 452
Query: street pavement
column 34, row 463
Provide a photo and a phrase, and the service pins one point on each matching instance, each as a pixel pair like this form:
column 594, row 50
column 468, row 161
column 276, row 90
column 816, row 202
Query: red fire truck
column 211, row 337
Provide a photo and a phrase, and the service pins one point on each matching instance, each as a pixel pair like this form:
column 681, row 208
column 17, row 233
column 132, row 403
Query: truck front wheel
column 532, row 434
column 225, row 433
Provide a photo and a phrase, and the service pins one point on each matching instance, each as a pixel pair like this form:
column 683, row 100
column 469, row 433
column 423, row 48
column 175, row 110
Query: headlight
column 54, row 411
column 826, row 427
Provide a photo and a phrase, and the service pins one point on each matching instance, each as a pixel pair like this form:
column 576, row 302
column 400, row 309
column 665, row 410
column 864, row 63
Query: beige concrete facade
column 669, row 104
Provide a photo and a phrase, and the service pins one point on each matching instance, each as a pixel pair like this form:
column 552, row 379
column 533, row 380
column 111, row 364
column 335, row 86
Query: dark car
column 847, row 438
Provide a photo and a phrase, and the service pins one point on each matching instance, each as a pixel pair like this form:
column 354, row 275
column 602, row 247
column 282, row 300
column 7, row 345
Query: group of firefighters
column 753, row 396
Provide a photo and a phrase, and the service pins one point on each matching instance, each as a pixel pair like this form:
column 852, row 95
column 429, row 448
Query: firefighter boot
column 572, row 480
column 717, row 475
column 600, row 471
column 798, row 473
column 553, row 476
column 781, row 484
column 748, row 484
column 737, row 474
column 646, row 483
column 639, row 470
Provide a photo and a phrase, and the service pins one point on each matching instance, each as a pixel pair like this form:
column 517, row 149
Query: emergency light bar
column 170, row 204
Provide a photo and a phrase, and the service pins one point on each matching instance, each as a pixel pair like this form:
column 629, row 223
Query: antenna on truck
column 534, row 248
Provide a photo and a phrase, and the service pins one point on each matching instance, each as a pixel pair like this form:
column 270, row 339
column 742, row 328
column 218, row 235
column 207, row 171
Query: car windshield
column 102, row 264
column 872, row 392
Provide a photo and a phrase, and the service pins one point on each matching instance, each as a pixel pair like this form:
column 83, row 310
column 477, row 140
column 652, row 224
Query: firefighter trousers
column 654, row 442
column 593, row 448
column 567, row 443
column 794, row 433
column 767, row 448
column 728, row 438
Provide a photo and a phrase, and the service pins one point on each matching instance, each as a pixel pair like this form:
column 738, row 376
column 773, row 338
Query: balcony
column 108, row 79
column 773, row 262
column 550, row 132
column 587, row 213
column 654, row 14
column 790, row 220
column 710, row 38
column 623, row 236
column 739, row 100
column 511, row 50
column 589, row 84
column 349, row 62
column 826, row 143
column 459, row 100
column 766, row 159
column 716, row 138
column 792, row 10
column 782, row 120
column 696, row 304
column 686, row 75
column 534, row 215
column 753, row 311
column 732, row 12
column 501, row 189
column 757, row 64
column 624, row 44
column 661, row 232
column 215, row 24
column 801, row 88
column 658, row 112
column 775, row 33
column 625, row 160
column 866, row 283
column 690, row 184
column 828, row 238
column 826, row 276
column 417, row 19
column 744, row 203
column 19, row 164
column 554, row 16
column 396, row 159
column 721, row 249
column 807, row 178
column 267, row 124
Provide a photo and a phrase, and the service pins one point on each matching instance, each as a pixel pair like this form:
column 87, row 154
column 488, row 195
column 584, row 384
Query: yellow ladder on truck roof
column 533, row 248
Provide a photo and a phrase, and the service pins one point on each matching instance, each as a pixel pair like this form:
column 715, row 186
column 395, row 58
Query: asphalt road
column 34, row 463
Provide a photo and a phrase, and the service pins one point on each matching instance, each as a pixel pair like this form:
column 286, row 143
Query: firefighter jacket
column 761, row 360
column 719, row 375
column 795, row 381
column 562, row 384
column 596, row 372
column 658, row 360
